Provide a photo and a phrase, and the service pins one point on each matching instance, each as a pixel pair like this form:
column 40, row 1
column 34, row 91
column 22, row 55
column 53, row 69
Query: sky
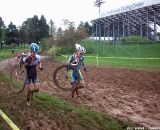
column 18, row 11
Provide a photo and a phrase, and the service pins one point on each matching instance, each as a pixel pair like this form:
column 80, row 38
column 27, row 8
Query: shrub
column 46, row 44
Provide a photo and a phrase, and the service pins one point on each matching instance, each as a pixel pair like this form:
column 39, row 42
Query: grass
column 63, row 112
column 123, row 50
column 1, row 127
column 82, row 115
column 131, row 50
column 6, row 52
column 117, row 62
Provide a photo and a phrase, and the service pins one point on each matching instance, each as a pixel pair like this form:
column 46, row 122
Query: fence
column 99, row 59
column 131, row 52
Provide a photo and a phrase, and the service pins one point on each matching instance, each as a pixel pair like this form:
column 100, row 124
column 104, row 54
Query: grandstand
column 141, row 19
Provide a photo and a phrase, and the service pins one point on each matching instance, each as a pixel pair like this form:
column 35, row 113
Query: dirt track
column 123, row 93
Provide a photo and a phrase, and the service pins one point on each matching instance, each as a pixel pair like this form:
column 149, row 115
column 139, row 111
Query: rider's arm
column 82, row 62
column 39, row 61
column 40, row 65
column 69, row 62
column 30, row 63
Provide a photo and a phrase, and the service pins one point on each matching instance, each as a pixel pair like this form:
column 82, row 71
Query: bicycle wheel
column 59, row 78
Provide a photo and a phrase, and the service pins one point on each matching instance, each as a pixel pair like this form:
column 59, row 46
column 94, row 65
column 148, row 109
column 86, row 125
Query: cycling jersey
column 31, row 72
column 75, row 68
column 74, row 60
column 25, row 56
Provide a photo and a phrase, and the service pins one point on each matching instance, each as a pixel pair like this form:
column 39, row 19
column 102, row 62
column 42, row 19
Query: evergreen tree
column 11, row 33
column 52, row 29
column 43, row 28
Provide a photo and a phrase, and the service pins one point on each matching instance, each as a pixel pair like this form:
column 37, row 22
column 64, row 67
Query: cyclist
column 76, row 61
column 31, row 60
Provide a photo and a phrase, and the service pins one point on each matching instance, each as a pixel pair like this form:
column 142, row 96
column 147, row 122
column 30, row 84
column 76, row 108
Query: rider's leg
column 81, row 81
column 81, row 84
column 35, row 86
column 28, row 91
column 73, row 89
column 77, row 91
column 73, row 78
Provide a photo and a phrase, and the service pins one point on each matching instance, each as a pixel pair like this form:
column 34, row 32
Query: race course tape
column 11, row 124
column 130, row 58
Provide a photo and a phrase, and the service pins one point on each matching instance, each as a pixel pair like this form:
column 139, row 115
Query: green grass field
column 122, row 50
column 6, row 52
column 114, row 54
column 117, row 62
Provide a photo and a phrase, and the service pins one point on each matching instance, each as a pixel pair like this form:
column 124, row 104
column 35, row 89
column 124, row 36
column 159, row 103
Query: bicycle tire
column 67, row 86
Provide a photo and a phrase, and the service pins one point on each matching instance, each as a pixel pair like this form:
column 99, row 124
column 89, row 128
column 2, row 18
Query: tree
column 71, row 35
column 52, row 29
column 43, row 28
column 25, row 30
column 88, row 28
column 33, row 29
column 85, row 27
column 11, row 33
column 2, row 30
column 59, row 32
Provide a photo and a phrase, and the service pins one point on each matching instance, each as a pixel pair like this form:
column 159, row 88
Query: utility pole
column 98, row 3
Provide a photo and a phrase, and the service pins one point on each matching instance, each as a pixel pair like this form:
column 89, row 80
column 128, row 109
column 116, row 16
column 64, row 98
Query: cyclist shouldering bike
column 75, row 62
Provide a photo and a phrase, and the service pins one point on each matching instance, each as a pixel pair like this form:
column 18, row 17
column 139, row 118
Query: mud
column 125, row 94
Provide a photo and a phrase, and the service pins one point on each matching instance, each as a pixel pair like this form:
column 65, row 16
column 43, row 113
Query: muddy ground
column 126, row 94
column 131, row 94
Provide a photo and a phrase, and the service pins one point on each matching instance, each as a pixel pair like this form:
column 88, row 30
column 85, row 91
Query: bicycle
column 18, row 70
column 59, row 77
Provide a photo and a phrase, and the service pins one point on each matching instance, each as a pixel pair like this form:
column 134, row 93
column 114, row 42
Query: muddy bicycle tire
column 61, row 69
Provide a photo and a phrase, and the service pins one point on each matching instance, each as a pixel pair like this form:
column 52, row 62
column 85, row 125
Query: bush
column 51, row 51
column 55, row 50
column 66, row 50
column 46, row 44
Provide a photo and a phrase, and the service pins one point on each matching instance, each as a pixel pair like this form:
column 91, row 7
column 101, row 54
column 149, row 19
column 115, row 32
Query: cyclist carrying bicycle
column 31, row 60
column 76, row 61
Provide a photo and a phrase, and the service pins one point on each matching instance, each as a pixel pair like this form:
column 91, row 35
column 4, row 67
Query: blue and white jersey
column 74, row 60
column 29, row 54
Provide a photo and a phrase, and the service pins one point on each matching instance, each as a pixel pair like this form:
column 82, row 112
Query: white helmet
column 80, row 48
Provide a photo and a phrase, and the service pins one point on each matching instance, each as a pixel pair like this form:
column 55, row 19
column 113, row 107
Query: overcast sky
column 18, row 11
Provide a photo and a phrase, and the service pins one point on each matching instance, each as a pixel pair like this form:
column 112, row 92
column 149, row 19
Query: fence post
column 97, row 60
column 138, row 49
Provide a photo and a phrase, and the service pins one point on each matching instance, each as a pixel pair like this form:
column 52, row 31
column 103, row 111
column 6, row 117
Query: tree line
column 35, row 29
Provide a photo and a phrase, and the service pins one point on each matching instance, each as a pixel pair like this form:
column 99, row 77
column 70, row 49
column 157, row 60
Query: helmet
column 34, row 48
column 83, row 49
column 80, row 48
